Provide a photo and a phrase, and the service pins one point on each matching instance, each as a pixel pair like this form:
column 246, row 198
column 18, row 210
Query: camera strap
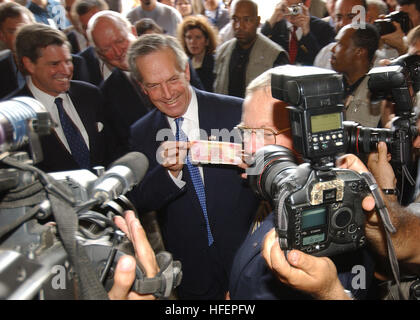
column 67, row 224
column 280, row 211
column 168, row 278
column 388, row 226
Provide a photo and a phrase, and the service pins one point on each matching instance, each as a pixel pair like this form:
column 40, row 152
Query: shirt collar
column 192, row 111
column 41, row 95
column 299, row 32
column 191, row 122
column 349, row 89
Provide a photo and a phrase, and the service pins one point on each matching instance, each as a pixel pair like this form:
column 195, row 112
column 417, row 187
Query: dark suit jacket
column 320, row 35
column 72, row 38
column 125, row 103
column 8, row 72
column 88, row 101
column 92, row 66
column 230, row 203
column 251, row 279
column 205, row 73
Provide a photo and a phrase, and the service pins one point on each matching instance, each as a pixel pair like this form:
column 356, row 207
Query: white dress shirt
column 191, row 127
column 299, row 32
column 48, row 102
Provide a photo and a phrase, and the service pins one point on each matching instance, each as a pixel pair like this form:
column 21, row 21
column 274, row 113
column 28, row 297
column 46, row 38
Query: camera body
column 325, row 215
column 317, row 207
column 385, row 26
column 294, row 10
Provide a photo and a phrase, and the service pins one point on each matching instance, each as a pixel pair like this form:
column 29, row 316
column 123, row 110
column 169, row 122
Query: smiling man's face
column 166, row 85
column 52, row 71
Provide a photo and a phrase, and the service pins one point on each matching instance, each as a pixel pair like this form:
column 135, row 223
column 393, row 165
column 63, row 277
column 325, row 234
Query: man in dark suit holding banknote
column 204, row 211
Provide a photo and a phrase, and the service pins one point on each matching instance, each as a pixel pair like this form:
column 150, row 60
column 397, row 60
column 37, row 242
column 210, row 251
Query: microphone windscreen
column 137, row 162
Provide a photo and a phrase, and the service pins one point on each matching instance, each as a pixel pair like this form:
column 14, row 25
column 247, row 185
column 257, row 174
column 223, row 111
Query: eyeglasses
column 268, row 134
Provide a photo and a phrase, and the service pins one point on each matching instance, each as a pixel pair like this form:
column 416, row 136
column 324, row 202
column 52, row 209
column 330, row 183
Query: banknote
column 215, row 152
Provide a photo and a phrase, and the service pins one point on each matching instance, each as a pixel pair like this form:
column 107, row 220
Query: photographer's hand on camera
column 379, row 166
column 172, row 155
column 313, row 275
column 125, row 270
column 396, row 39
column 302, row 20
column 278, row 13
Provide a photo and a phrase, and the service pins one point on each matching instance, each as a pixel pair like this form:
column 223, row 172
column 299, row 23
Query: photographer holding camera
column 317, row 276
column 250, row 278
column 125, row 271
column 302, row 35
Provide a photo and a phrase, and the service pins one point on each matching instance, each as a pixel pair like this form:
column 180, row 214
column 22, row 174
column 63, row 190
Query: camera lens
column 365, row 140
column 272, row 163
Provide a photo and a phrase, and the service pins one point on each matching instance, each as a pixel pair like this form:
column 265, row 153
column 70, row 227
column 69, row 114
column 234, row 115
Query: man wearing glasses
column 265, row 121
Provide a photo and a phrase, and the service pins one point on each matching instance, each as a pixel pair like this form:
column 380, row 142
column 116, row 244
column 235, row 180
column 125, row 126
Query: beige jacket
column 360, row 109
column 263, row 54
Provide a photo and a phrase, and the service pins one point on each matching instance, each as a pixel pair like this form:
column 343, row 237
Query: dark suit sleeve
column 80, row 69
column 195, row 79
column 320, row 34
column 283, row 58
column 278, row 33
column 157, row 188
column 155, row 191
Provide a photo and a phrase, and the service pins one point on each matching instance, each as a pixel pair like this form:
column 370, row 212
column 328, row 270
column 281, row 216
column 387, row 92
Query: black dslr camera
column 317, row 207
column 397, row 83
column 385, row 26
column 57, row 236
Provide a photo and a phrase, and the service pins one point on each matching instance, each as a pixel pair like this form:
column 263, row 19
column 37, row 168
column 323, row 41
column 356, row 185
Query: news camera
column 385, row 26
column 57, row 235
column 397, row 83
column 317, row 207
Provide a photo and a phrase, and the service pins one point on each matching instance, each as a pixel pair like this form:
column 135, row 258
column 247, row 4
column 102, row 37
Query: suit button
column 255, row 244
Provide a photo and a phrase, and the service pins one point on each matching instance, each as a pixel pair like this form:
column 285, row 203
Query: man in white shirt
column 76, row 107
column 111, row 35
column 204, row 213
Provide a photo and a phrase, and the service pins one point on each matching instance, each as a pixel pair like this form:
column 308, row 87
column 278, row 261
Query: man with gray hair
column 111, row 35
column 204, row 211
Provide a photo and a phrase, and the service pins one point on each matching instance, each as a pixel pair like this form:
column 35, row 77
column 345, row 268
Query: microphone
column 123, row 174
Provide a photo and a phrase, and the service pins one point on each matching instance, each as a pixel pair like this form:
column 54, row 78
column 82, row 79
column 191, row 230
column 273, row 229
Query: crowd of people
column 170, row 72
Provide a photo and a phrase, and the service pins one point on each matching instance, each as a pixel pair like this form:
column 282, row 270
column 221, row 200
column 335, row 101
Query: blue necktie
column 196, row 178
column 77, row 145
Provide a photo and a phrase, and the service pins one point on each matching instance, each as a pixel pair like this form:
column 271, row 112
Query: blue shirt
column 54, row 11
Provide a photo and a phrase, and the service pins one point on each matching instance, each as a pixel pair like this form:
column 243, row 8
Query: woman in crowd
column 199, row 40
column 184, row 7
